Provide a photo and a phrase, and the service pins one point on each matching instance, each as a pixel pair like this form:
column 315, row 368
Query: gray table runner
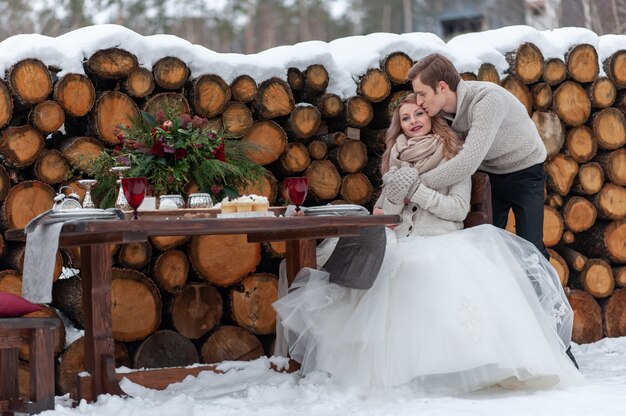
column 39, row 259
column 42, row 243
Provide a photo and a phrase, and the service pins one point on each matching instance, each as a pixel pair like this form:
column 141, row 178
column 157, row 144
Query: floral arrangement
column 395, row 103
column 173, row 151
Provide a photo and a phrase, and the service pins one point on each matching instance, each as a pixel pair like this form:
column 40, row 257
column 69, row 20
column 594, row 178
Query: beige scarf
column 423, row 153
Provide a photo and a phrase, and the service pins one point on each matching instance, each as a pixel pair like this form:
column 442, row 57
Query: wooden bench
column 38, row 335
column 480, row 201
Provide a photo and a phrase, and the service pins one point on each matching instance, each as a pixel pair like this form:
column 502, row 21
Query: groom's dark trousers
column 523, row 191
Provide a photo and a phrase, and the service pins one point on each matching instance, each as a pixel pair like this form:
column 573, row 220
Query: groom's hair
column 434, row 68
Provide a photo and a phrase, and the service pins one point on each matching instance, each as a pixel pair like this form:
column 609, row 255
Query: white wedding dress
column 447, row 314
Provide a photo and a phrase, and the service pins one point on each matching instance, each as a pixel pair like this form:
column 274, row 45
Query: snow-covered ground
column 252, row 389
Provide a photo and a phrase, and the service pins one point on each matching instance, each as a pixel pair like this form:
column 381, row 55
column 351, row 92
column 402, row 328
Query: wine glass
column 297, row 187
column 86, row 184
column 134, row 191
column 120, row 202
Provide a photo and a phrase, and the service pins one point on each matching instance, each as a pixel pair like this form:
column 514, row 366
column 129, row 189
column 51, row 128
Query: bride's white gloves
column 400, row 183
column 397, row 183
column 389, row 174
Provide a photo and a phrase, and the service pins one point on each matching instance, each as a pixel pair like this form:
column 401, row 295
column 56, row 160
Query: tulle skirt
column 447, row 314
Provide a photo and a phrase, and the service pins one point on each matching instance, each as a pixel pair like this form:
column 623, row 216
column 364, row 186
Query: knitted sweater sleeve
column 486, row 114
column 452, row 207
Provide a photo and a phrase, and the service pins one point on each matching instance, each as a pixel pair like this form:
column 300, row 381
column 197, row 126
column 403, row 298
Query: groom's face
column 432, row 101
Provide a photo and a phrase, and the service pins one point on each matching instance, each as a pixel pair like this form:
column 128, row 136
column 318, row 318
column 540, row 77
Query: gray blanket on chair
column 356, row 260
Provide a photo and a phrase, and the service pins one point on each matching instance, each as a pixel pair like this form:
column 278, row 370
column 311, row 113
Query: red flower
column 167, row 124
column 180, row 153
column 219, row 152
column 158, row 148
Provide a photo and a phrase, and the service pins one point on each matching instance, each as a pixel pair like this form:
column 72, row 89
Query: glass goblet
column 86, row 184
column 135, row 192
column 297, row 188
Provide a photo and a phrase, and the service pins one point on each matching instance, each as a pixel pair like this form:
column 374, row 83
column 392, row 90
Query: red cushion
column 12, row 306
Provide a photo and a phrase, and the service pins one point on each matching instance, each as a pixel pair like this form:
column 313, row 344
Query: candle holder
column 199, row 200
column 87, row 184
column 121, row 202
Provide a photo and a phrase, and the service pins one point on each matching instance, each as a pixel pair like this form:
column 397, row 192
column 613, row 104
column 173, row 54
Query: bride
column 450, row 310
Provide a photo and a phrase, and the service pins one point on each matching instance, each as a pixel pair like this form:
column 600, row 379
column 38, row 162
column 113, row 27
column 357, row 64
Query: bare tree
column 15, row 17
column 251, row 10
column 267, row 24
column 385, row 20
column 303, row 14
column 407, row 8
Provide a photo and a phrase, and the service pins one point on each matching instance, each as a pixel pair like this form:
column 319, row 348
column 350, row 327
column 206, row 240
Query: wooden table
column 93, row 237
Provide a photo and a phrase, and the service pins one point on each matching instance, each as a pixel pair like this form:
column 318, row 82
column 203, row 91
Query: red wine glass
column 134, row 191
column 297, row 188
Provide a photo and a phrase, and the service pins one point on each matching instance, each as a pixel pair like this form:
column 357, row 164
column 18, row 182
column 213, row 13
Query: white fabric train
column 447, row 314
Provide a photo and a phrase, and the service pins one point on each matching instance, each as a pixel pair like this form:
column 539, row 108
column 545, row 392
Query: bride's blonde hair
column 451, row 140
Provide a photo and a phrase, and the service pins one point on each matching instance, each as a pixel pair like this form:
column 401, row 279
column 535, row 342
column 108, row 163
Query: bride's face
column 414, row 121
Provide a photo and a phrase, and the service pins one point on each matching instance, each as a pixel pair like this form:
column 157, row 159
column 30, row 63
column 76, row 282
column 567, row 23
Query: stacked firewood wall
column 580, row 116
column 181, row 300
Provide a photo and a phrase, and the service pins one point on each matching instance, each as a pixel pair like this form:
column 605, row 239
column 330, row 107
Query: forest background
column 249, row 26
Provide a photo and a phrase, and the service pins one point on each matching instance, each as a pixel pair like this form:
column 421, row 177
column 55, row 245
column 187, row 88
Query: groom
column 501, row 139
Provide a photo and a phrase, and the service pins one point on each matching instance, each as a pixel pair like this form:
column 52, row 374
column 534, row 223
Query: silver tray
column 344, row 209
column 86, row 213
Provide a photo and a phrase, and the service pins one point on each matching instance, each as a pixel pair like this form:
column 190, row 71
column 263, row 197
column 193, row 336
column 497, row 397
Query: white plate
column 343, row 209
column 249, row 214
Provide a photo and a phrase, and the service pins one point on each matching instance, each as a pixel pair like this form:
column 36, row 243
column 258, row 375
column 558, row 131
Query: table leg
column 99, row 345
column 300, row 253
column 42, row 368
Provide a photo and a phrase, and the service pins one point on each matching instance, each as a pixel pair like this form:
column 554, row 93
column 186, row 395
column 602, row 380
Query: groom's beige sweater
column 500, row 136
